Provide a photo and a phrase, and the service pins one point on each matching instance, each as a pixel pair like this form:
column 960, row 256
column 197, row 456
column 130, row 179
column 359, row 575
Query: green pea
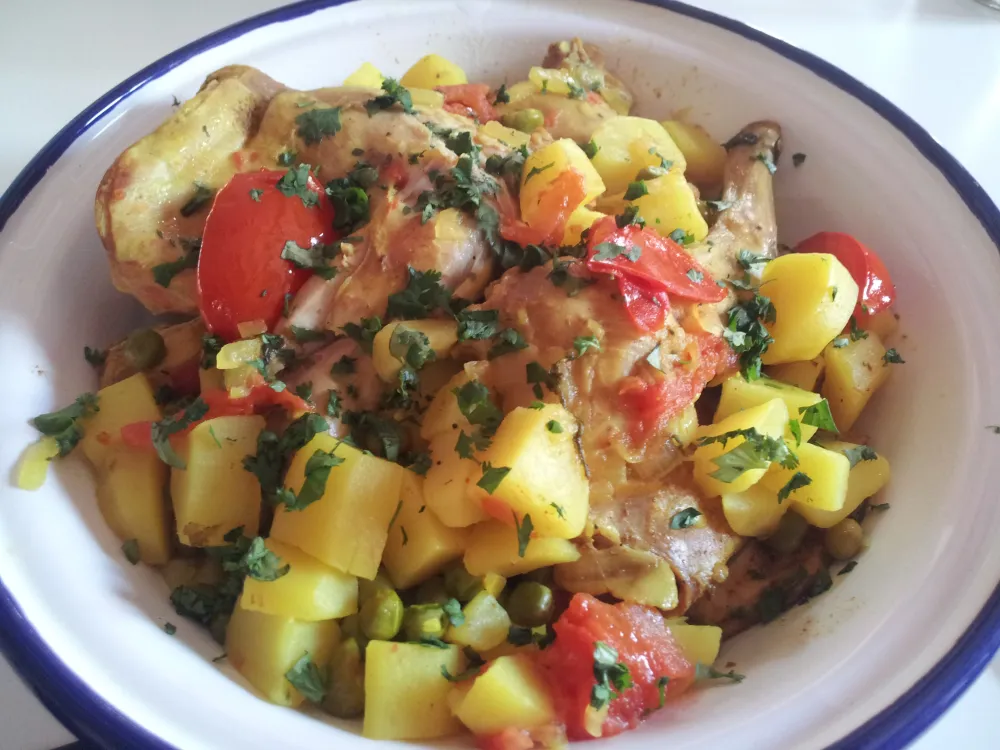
column 345, row 694
column 791, row 531
column 366, row 588
column 382, row 615
column 461, row 584
column 431, row 591
column 424, row 621
column 145, row 349
column 844, row 540
column 525, row 120
column 531, row 604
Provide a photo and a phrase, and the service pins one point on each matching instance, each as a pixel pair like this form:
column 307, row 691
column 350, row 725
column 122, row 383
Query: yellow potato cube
column 670, row 204
column 431, row 71
column 804, row 375
column 443, row 414
column 521, row 90
column 215, row 494
column 865, row 479
column 406, row 694
column 347, row 527
column 828, row 471
column 507, row 136
column 555, row 81
column 853, row 373
column 264, row 647
column 738, row 394
column 627, row 145
column 388, row 356
column 700, row 643
column 367, row 75
column 705, row 156
column 755, row 511
column 493, row 548
column 310, row 590
column 130, row 495
column 450, row 484
column 427, row 98
column 769, row 419
column 581, row 219
column 510, row 693
column 34, row 464
column 237, row 354
column 419, row 545
column 813, row 297
column 546, row 478
column 127, row 401
column 486, row 624
column 542, row 168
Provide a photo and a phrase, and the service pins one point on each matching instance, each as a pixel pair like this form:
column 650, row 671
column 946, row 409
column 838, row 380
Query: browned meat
column 586, row 63
column 761, row 585
column 179, row 368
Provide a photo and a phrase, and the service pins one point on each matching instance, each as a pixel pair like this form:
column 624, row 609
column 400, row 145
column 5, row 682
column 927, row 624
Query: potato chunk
column 755, row 511
column 827, row 470
column 419, row 545
column 310, row 590
column 486, row 624
column 406, row 694
column 215, row 494
column 130, row 494
column 431, row 71
column 627, row 145
column 443, row 414
column 769, row 419
column 670, row 204
column 388, row 352
column 347, row 527
column 853, row 373
column 705, row 157
column 366, row 75
column 546, row 478
column 865, row 479
column 264, row 647
column 699, row 643
column 127, row 401
column 510, row 693
column 450, row 485
column 738, row 394
column 804, row 375
column 493, row 548
column 813, row 297
column 542, row 168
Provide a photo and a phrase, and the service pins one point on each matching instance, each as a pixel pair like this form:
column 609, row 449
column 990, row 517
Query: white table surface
column 937, row 59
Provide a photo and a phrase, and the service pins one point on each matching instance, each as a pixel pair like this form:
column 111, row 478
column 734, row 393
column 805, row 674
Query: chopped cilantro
column 859, row 453
column 682, row 237
column 696, row 276
column 553, row 426
column 423, row 294
column 491, row 478
column 317, row 471
column 848, row 568
column 344, row 366
column 611, row 250
column 857, row 333
column 539, row 376
column 200, row 199
column 756, row 452
column 767, row 160
column 295, row 184
column 747, row 333
column 164, row 273
column 364, row 332
column 507, row 341
column 583, row 344
column 590, row 148
column 169, row 628
column 477, row 324
column 613, row 677
column 393, row 94
column 316, row 124
column 796, row 429
column 162, row 430
column 799, row 479
column 819, row 415
column 536, row 170
column 307, row 678
column 524, row 529
column 636, row 190
column 501, row 96
column 708, row 672
column 306, row 335
column 313, row 258
column 892, row 357
column 685, row 519
column 255, row 194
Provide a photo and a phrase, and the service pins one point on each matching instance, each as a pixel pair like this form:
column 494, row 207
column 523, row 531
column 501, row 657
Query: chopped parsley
column 210, row 348
column 317, row 472
column 200, row 199
column 501, row 96
column 377, row 434
column 423, row 294
column 539, row 377
column 316, row 124
column 561, row 277
column 393, row 94
column 524, row 529
column 162, row 430
column 590, row 148
column 169, row 628
column 477, row 407
column 274, row 451
column 491, row 478
column 255, row 194
column 840, row 342
column 747, row 333
column 453, row 609
column 636, row 190
column 682, row 237
column 553, row 426
column 848, row 568
column 613, row 677
column 799, row 479
column 661, row 688
column 420, row 464
column 583, row 344
column 859, row 453
column 306, row 335
column 819, row 415
column 314, row 258
column 611, row 250
column 508, row 340
column 767, row 160
column 560, row 511
column 307, row 678
column 261, row 564
column 304, row 391
column 477, row 324
column 892, row 357
column 472, row 670
column 295, row 184
column 796, row 429
column 349, row 197
column 344, row 366
column 708, row 672
column 462, row 187
column 164, row 273
column 628, row 217
column 756, row 452
column 696, row 276
column 856, row 333
column 537, row 170
column 685, row 519
column 364, row 332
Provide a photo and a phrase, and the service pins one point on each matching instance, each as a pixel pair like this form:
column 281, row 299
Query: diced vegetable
column 804, row 375
column 865, row 479
column 510, row 693
column 813, row 297
column 485, row 624
column 521, row 90
column 127, row 401
column 827, row 471
column 34, row 464
column 755, row 511
column 508, row 136
column 628, row 574
column 700, row 643
column 555, row 81
column 419, row 545
column 705, row 157
column 669, row 204
column 130, row 494
column 628, row 145
column 581, row 219
column 347, row 527
column 367, row 75
column 546, row 478
column 264, row 647
column 238, row 353
column 542, row 168
column 443, row 414
column 431, row 71
column 381, row 615
column 389, row 354
column 450, row 483
column 427, row 98
column 739, row 394
column 853, row 373
column 215, row 494
column 406, row 693
column 769, row 420
column 531, row 604
column 494, row 548
column 310, row 590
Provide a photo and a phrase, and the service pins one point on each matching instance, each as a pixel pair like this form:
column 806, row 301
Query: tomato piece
column 465, row 96
column 662, row 265
column 649, row 401
column 555, row 205
column 643, row 643
column 648, row 309
column 866, row 268
column 241, row 274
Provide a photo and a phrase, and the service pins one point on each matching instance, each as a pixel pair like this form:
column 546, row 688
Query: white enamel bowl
column 867, row 665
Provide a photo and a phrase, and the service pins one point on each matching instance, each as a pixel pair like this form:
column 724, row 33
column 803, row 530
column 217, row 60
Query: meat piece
column 179, row 368
column 340, row 367
column 586, row 63
column 762, row 584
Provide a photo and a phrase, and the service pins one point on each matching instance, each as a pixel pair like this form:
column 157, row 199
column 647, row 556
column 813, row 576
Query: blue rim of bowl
column 91, row 718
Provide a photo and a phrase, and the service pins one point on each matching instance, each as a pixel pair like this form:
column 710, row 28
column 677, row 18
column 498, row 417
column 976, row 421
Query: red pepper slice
column 241, row 274
column 465, row 96
column 661, row 265
column 867, row 269
column 648, row 309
